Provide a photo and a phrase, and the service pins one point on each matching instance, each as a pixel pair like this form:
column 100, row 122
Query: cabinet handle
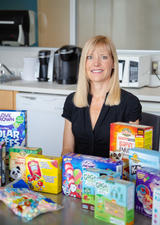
column 30, row 98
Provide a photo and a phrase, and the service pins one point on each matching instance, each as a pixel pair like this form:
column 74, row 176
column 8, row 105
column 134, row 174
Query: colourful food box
column 114, row 201
column 139, row 158
column 13, row 128
column 124, row 136
column 146, row 180
column 156, row 206
column 2, row 163
column 88, row 184
column 44, row 173
column 72, row 170
column 17, row 156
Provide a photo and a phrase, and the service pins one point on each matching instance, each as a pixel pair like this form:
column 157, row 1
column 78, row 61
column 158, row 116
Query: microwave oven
column 134, row 70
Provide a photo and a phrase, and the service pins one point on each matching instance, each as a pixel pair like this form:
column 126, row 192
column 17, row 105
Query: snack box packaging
column 156, row 206
column 124, row 136
column 146, row 180
column 13, row 128
column 2, row 163
column 114, row 201
column 72, row 170
column 17, row 156
column 44, row 173
column 139, row 157
column 88, row 184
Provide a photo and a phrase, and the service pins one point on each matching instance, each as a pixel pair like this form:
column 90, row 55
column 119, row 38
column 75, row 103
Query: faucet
column 8, row 70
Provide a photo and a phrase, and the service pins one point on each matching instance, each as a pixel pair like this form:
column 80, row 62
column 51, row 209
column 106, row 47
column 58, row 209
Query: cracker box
column 114, row 201
column 44, row 173
column 13, row 128
column 156, row 206
column 2, row 163
column 124, row 136
column 72, row 170
column 139, row 157
column 17, row 156
column 88, row 184
column 146, row 180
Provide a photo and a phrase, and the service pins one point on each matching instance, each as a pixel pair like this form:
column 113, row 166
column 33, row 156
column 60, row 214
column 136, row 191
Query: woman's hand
column 136, row 122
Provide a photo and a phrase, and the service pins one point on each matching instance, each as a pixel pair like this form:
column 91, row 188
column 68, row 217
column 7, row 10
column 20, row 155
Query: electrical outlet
column 154, row 67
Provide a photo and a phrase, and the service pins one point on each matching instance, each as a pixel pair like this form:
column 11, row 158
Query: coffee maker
column 45, row 60
column 66, row 64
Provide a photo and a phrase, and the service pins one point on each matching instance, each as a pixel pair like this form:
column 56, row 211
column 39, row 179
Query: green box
column 114, row 201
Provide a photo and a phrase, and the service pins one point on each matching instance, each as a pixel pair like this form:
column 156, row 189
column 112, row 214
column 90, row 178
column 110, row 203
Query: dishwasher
column 44, row 121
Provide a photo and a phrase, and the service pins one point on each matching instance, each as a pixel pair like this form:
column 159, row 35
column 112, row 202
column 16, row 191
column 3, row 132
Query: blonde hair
column 81, row 95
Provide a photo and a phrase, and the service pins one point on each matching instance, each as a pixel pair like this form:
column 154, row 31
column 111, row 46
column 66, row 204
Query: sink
column 6, row 78
column 7, row 75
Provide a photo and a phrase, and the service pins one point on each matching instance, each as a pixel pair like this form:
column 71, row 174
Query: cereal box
column 13, row 127
column 2, row 163
column 124, row 136
column 139, row 157
column 88, row 184
column 146, row 180
column 17, row 155
column 156, row 206
column 44, row 173
column 114, row 201
column 72, row 170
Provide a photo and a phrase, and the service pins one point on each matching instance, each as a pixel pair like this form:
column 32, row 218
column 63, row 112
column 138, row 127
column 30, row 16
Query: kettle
column 66, row 64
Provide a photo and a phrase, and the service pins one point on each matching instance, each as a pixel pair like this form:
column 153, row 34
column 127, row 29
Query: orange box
column 124, row 136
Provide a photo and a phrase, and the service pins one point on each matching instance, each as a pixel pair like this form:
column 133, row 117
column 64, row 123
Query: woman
column 97, row 102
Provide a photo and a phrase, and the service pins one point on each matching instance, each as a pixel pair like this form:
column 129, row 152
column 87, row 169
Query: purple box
column 72, row 170
column 146, row 180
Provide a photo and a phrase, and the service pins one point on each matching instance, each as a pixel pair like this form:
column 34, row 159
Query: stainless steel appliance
column 66, row 64
column 17, row 27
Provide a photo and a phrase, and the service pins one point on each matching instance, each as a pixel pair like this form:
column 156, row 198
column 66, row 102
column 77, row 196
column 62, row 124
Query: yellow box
column 17, row 156
column 44, row 173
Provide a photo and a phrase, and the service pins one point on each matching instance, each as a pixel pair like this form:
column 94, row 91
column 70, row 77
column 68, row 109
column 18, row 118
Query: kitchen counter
column 71, row 214
column 144, row 94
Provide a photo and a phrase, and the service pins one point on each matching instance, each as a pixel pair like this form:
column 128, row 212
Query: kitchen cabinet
column 7, row 99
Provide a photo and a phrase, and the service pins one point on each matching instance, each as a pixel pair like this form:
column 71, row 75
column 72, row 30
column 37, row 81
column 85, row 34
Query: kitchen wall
column 13, row 57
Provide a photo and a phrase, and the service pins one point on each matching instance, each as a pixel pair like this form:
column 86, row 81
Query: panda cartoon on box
column 15, row 173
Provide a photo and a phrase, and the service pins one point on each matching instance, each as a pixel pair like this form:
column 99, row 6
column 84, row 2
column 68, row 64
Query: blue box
column 72, row 170
column 139, row 157
column 13, row 128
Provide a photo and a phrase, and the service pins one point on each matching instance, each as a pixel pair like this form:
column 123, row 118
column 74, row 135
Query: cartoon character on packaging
column 15, row 173
column 34, row 169
column 144, row 196
column 72, row 184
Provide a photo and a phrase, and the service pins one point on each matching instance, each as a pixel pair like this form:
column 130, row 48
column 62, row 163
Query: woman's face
column 99, row 64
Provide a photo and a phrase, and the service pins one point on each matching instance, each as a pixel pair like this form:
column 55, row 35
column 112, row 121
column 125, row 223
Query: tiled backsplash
column 13, row 57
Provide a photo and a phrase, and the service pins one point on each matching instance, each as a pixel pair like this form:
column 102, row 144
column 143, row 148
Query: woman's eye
column 89, row 57
column 104, row 57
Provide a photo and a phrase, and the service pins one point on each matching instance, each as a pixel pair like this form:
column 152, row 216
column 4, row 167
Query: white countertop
column 144, row 94
column 38, row 87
